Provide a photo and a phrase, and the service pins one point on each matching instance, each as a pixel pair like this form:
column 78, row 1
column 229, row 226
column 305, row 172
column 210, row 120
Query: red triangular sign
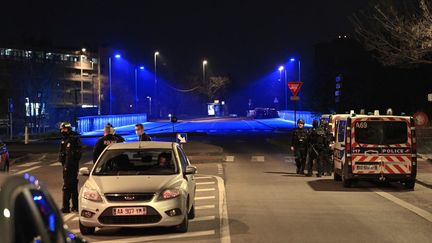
column 294, row 87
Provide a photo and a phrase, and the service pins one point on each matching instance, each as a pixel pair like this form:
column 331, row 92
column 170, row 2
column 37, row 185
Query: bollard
column 26, row 135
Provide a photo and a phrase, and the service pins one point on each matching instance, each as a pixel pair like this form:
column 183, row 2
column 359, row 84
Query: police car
column 375, row 147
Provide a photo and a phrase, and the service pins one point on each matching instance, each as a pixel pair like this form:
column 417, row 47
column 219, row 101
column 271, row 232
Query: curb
column 423, row 183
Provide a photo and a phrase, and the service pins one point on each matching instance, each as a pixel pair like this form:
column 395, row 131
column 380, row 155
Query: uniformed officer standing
column 299, row 146
column 139, row 130
column 318, row 145
column 69, row 156
column 108, row 138
column 328, row 138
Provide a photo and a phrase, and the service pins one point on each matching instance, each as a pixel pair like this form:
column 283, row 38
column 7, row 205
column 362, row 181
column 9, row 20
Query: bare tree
column 214, row 85
column 399, row 33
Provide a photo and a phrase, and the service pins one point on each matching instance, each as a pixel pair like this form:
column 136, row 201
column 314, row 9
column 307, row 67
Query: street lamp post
column 155, row 82
column 204, row 64
column 136, row 90
column 150, row 104
column 110, row 81
column 282, row 68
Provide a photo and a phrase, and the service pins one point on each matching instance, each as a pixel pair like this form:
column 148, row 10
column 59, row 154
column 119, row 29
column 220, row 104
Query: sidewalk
column 424, row 170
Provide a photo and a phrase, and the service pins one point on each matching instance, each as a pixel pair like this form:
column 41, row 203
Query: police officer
column 311, row 152
column 69, row 156
column 328, row 138
column 139, row 130
column 108, row 138
column 317, row 140
column 299, row 146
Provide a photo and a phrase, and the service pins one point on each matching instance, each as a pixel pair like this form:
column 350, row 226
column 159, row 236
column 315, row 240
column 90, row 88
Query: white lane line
column 68, row 216
column 204, row 218
column 205, row 183
column 220, row 169
column 203, row 177
column 206, row 189
column 229, row 158
column 27, row 170
column 257, row 158
column 29, row 164
column 161, row 237
column 204, row 198
column 55, row 164
column 420, row 212
column 225, row 236
column 204, row 207
column 89, row 162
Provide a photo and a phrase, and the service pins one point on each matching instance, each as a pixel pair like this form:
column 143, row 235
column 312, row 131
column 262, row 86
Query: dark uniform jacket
column 299, row 138
column 103, row 142
column 70, row 151
column 144, row 137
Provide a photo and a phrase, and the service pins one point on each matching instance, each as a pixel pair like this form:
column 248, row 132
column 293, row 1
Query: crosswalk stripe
column 204, row 207
column 28, row 164
column 203, row 177
column 229, row 158
column 204, row 218
column 89, row 162
column 257, row 158
column 55, row 164
column 204, row 198
column 205, row 183
column 27, row 170
column 205, row 189
column 68, row 216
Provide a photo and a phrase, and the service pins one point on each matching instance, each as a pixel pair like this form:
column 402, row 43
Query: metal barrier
column 92, row 123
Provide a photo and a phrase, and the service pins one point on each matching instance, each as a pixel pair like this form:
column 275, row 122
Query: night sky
column 242, row 38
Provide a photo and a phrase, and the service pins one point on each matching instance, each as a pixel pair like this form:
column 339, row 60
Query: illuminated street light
column 83, row 50
column 155, row 83
column 117, row 56
column 136, row 88
column 299, row 68
column 204, row 64
column 282, row 68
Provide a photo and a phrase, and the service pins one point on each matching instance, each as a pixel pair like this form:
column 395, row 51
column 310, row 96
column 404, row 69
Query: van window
column 341, row 131
column 381, row 132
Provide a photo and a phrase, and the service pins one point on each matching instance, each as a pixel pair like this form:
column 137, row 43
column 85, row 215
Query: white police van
column 375, row 147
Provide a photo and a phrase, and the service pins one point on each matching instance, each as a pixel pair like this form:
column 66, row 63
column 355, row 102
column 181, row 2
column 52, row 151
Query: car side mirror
column 190, row 170
column 84, row 171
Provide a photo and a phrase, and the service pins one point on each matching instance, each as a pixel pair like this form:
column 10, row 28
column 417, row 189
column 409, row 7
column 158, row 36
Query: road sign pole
column 295, row 113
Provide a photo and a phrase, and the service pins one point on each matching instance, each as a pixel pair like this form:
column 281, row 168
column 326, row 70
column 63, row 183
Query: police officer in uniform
column 139, row 130
column 108, row 138
column 318, row 142
column 299, row 146
column 328, row 138
column 69, row 156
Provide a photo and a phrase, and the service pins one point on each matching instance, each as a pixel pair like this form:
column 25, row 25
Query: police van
column 375, row 147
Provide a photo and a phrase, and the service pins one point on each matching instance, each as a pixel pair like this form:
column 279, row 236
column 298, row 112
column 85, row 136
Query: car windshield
column 381, row 132
column 137, row 162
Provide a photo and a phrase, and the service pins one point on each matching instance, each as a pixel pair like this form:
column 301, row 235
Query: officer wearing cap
column 69, row 156
column 108, row 138
column 299, row 146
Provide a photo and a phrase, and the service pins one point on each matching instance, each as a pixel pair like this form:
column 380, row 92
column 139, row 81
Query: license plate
column 129, row 211
column 367, row 167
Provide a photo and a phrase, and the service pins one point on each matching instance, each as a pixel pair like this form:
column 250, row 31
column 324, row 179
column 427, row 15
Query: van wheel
column 409, row 184
column 86, row 230
column 336, row 176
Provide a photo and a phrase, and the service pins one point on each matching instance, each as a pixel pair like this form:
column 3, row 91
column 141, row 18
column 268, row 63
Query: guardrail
column 92, row 123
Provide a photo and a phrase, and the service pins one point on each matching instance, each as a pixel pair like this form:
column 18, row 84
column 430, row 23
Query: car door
column 190, row 178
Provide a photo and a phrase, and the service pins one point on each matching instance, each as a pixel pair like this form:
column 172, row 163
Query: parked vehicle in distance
column 28, row 212
column 139, row 184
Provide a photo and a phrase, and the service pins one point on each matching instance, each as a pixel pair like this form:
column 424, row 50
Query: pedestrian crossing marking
column 257, row 158
column 28, row 164
column 204, row 198
column 229, row 158
column 55, row 164
column 204, row 218
column 205, row 190
column 205, row 183
column 204, row 207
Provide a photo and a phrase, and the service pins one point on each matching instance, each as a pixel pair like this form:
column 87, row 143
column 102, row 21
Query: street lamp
column 150, row 105
column 136, row 87
column 204, row 64
column 299, row 68
column 282, row 68
column 117, row 56
column 155, row 80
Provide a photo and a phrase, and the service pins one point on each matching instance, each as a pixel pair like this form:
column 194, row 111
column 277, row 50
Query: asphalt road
column 254, row 195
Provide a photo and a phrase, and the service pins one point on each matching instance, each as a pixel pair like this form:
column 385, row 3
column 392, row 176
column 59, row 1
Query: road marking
column 205, row 183
column 68, row 216
column 420, row 212
column 56, row 164
column 204, row 198
column 205, row 189
column 223, row 212
column 204, row 207
column 257, row 158
column 161, row 237
column 220, row 169
column 28, row 164
column 229, row 158
column 203, row 177
column 27, row 170
column 205, row 218
column 89, row 162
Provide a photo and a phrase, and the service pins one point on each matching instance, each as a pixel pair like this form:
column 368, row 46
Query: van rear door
column 381, row 145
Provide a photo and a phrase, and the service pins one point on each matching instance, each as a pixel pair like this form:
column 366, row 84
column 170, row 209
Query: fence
column 92, row 123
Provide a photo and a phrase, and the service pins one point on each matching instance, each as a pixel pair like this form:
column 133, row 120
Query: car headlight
column 169, row 193
column 92, row 195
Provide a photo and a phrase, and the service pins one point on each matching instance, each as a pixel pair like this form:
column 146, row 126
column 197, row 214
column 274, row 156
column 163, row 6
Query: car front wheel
column 86, row 230
column 183, row 227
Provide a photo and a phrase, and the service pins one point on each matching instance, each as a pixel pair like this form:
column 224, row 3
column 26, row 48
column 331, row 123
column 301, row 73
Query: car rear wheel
column 86, row 230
